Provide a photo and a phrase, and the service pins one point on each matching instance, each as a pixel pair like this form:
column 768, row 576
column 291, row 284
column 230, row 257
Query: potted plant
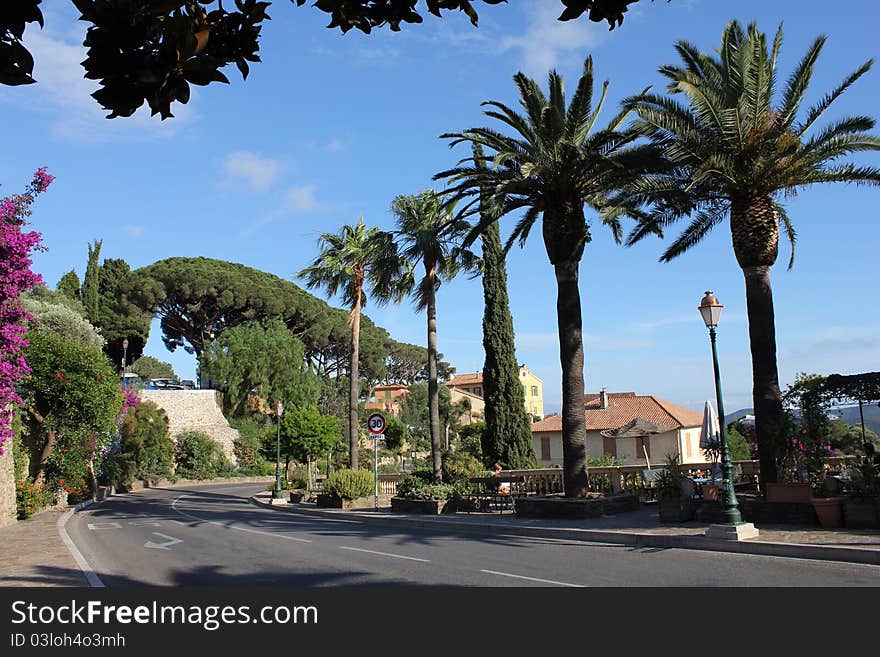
column 416, row 495
column 348, row 489
column 674, row 492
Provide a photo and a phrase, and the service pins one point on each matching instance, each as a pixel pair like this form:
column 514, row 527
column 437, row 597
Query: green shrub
column 250, row 461
column 145, row 448
column 413, row 487
column 30, row 498
column 198, row 457
column 458, row 467
column 350, row 484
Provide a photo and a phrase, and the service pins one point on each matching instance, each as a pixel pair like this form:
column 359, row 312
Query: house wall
column 534, row 402
column 478, row 406
column 628, row 449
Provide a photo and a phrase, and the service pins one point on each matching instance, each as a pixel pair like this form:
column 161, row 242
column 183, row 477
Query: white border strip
column 93, row 579
column 531, row 579
column 384, row 554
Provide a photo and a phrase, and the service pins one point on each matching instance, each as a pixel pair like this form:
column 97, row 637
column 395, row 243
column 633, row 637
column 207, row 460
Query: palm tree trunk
column 354, row 384
column 571, row 354
column 433, row 389
column 766, row 395
column 754, row 226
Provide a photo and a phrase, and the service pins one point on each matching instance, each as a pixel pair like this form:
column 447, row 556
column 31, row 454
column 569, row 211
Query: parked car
column 164, row 384
column 188, row 384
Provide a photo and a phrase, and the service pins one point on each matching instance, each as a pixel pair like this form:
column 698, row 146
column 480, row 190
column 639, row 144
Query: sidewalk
column 638, row 528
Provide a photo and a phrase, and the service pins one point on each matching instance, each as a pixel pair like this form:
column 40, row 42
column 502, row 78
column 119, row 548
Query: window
column 545, row 448
column 387, row 394
column 478, row 391
column 534, row 391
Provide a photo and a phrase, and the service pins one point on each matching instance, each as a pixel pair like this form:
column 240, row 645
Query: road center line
column 228, row 526
column 531, row 579
column 384, row 554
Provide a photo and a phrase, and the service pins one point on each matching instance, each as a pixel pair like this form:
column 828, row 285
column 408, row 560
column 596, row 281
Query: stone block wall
column 194, row 410
column 7, row 486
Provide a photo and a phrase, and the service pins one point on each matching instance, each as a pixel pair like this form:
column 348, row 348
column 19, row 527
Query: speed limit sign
column 376, row 423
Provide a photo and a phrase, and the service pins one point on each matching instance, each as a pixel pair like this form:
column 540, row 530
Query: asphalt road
column 213, row 536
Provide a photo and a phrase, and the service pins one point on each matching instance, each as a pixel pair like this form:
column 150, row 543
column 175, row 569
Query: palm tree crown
column 731, row 145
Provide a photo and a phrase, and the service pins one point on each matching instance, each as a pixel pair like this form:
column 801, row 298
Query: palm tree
column 733, row 152
column 349, row 262
column 428, row 233
column 554, row 166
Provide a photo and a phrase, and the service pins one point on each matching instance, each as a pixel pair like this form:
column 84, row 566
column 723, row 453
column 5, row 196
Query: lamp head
column 710, row 309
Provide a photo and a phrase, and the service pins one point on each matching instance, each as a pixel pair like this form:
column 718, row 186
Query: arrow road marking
column 163, row 546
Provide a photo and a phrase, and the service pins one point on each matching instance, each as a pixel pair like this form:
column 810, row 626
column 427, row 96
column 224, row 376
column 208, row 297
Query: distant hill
column 733, row 417
column 849, row 414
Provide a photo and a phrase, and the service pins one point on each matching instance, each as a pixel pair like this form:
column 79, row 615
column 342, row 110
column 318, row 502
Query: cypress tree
column 69, row 285
column 91, row 297
column 508, row 436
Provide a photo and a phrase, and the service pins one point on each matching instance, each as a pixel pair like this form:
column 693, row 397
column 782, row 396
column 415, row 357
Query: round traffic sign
column 376, row 423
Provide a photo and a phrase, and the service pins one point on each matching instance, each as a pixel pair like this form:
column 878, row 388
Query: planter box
column 429, row 507
column 557, row 506
column 829, row 510
column 797, row 493
column 326, row 501
column 676, row 509
column 861, row 513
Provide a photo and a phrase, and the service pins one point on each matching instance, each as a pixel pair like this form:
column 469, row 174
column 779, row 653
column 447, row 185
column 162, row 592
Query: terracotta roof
column 624, row 408
column 466, row 379
column 637, row 428
column 592, row 400
column 390, row 386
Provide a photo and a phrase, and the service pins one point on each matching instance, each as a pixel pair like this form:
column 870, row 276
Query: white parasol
column 710, row 432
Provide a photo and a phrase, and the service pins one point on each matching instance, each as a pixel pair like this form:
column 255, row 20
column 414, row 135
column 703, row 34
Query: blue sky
column 331, row 127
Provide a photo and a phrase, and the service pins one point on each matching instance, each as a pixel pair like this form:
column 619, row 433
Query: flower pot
column 710, row 492
column 829, row 511
column 777, row 492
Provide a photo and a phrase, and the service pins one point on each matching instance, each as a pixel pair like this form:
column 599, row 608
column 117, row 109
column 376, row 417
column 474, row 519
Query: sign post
column 376, row 425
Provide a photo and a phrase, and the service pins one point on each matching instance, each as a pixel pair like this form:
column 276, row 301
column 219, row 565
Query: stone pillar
column 7, row 486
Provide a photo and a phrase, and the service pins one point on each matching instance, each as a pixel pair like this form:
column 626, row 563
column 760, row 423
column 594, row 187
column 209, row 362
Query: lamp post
column 732, row 525
column 276, row 494
column 124, row 357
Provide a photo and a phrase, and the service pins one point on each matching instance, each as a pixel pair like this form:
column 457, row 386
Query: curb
column 92, row 578
column 787, row 550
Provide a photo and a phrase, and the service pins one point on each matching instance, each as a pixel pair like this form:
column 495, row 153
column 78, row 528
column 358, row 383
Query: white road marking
column 229, row 526
column 384, row 554
column 163, row 546
column 531, row 579
column 145, row 523
column 104, row 525
column 93, row 580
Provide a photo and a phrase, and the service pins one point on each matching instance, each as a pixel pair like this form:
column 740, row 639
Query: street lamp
column 732, row 525
column 276, row 494
column 124, row 357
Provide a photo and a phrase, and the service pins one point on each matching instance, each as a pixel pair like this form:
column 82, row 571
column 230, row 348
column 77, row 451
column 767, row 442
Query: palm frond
column 819, row 108
column 704, row 222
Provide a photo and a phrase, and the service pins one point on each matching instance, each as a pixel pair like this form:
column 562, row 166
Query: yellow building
column 470, row 386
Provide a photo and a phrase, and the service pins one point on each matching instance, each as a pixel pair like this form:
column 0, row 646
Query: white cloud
column 246, row 169
column 63, row 93
column 135, row 231
column 549, row 43
column 302, row 199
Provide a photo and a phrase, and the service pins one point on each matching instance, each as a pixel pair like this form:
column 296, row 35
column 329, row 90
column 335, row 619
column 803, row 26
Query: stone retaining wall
column 7, row 486
column 194, row 410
